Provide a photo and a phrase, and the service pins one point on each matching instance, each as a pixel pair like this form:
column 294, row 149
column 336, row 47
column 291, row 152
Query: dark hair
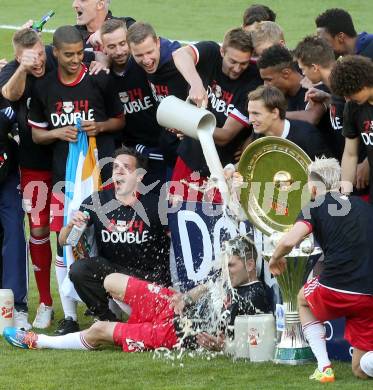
column 243, row 247
column 66, row 35
column 336, row 20
column 141, row 161
column 238, row 39
column 276, row 56
column 112, row 25
column 314, row 50
column 351, row 74
column 25, row 38
column 139, row 31
column 257, row 13
column 271, row 97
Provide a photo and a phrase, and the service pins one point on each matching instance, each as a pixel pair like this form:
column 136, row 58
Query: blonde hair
column 267, row 32
column 326, row 170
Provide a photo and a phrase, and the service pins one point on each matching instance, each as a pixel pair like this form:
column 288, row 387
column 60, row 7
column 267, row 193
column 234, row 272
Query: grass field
column 109, row 368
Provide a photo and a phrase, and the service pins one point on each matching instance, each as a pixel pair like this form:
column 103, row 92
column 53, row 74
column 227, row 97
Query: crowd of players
column 112, row 73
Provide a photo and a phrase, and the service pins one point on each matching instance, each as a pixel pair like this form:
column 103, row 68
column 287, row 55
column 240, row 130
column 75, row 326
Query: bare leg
column 357, row 371
column 305, row 313
column 116, row 285
column 99, row 333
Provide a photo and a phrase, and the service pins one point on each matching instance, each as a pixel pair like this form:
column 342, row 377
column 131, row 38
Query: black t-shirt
column 307, row 137
column 55, row 105
column 358, row 121
column 343, row 227
column 164, row 82
column 139, row 107
column 31, row 155
column 226, row 98
column 296, row 102
column 131, row 236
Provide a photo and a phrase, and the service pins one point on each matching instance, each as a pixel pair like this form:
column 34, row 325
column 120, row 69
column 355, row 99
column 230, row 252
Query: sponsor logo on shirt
column 220, row 100
column 67, row 113
column 367, row 134
column 135, row 101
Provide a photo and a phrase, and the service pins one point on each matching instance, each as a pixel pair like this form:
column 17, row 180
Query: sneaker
column 20, row 338
column 44, row 317
column 65, row 326
column 21, row 320
column 325, row 376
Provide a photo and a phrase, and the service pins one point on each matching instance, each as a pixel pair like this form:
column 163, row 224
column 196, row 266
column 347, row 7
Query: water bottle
column 6, row 309
column 76, row 232
column 38, row 26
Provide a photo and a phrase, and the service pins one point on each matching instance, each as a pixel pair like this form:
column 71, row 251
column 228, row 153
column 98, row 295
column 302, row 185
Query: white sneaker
column 21, row 320
column 44, row 317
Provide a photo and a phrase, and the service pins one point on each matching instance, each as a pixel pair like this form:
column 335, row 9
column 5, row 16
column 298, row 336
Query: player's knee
column 301, row 299
column 40, row 231
column 115, row 284
column 77, row 271
column 97, row 332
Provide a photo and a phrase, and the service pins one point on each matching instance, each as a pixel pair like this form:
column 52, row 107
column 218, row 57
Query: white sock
column 314, row 332
column 124, row 307
column 366, row 363
column 68, row 341
column 68, row 304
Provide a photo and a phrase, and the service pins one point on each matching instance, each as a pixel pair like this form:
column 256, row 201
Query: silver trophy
column 275, row 171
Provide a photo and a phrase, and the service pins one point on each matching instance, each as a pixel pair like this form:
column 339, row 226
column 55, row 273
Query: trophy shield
column 275, row 176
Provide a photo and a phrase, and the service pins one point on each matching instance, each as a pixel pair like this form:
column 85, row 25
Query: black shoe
column 65, row 326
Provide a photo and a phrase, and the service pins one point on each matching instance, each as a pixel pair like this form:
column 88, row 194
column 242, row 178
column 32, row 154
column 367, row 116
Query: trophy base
column 293, row 356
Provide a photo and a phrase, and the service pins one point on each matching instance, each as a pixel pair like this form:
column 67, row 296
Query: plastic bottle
column 76, row 232
column 6, row 308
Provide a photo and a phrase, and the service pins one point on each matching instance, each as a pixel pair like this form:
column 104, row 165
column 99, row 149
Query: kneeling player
column 155, row 320
column 342, row 226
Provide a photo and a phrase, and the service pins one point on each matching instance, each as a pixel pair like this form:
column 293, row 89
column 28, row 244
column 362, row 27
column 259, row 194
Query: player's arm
column 312, row 114
column 78, row 219
column 349, row 164
column 179, row 301
column 223, row 135
column 297, row 233
column 46, row 137
column 111, row 125
column 185, row 60
column 15, row 87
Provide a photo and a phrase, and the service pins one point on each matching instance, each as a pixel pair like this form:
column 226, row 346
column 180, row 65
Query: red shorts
column 36, row 186
column 327, row 304
column 182, row 175
column 151, row 323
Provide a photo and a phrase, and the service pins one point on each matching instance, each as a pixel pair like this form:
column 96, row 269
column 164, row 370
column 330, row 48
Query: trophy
column 275, row 171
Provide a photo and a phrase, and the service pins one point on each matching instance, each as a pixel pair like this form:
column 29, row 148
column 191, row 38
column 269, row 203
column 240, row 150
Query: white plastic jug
column 6, row 309
column 255, row 337
column 199, row 124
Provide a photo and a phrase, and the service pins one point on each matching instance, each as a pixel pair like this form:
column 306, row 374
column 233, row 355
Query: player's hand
column 27, row 24
column 211, row 343
column 92, row 128
column 178, row 133
column 78, row 219
column 3, row 62
column 177, row 303
column 317, row 96
column 198, row 95
column 277, row 267
column 96, row 67
column 362, row 175
column 95, row 40
column 28, row 60
column 67, row 133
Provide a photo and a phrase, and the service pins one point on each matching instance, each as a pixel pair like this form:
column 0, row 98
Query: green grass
column 110, row 368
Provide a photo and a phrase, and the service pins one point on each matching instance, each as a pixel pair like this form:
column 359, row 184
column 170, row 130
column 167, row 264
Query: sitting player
column 342, row 226
column 157, row 313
